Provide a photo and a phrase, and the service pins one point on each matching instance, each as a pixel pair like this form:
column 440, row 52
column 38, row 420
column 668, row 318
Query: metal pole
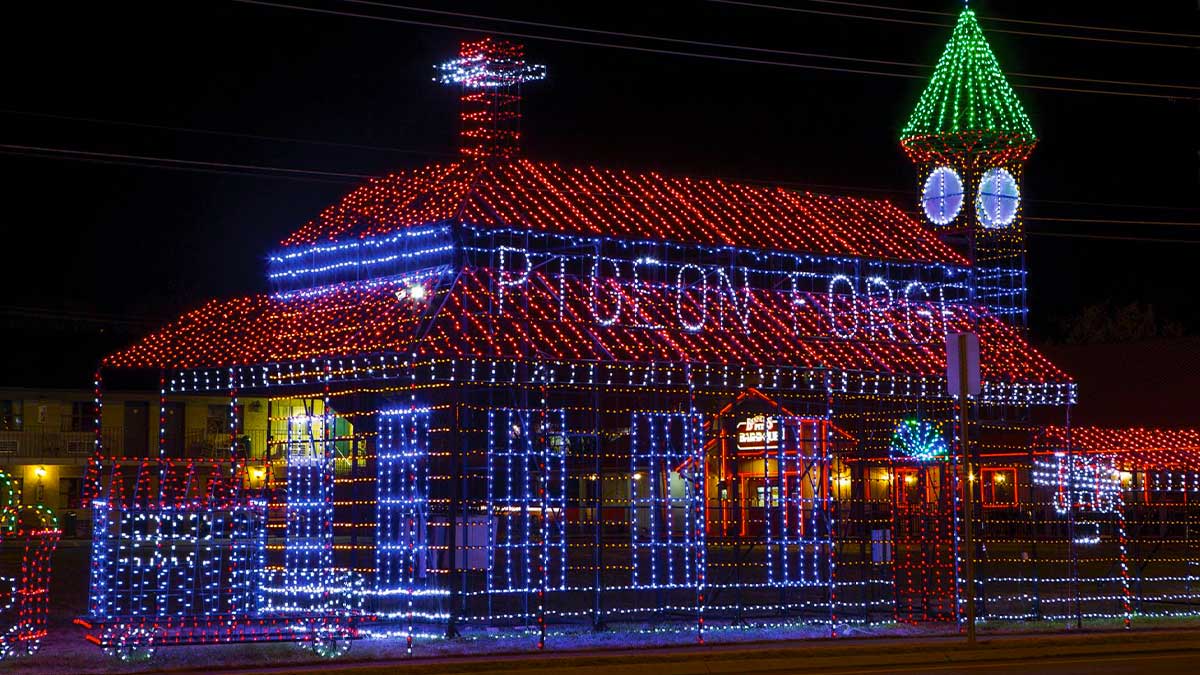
column 456, row 590
column 1074, row 553
column 597, row 514
column 969, row 497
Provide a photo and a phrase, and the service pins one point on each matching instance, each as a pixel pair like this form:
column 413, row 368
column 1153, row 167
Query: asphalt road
column 1104, row 664
column 1167, row 662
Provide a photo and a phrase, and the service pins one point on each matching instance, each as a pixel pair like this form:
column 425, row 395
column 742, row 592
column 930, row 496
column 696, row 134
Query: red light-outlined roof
column 549, row 318
column 1104, row 439
column 646, row 206
column 1133, row 448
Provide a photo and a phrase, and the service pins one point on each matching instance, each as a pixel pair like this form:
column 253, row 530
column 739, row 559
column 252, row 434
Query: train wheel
column 130, row 644
column 329, row 642
column 14, row 643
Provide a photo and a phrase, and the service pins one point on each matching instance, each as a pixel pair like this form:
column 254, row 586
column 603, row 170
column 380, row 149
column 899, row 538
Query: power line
column 73, row 315
column 910, row 193
column 148, row 165
column 761, row 50
column 913, row 22
column 929, row 12
column 1110, row 221
column 588, row 43
column 748, row 180
column 184, row 165
column 214, row 132
column 266, row 171
column 639, row 36
column 674, row 52
column 1082, row 235
column 1152, row 240
column 1120, row 206
column 223, row 168
column 255, row 170
column 1076, row 90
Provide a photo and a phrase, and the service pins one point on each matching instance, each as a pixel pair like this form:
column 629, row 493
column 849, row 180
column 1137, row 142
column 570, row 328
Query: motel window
column 762, row 494
column 81, row 416
column 918, row 485
column 910, row 485
column 999, row 486
column 12, row 416
column 217, row 421
column 879, row 484
column 69, row 492
column 842, row 484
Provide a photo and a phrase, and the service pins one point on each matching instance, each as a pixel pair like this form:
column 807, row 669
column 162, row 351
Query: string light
column 179, row 550
column 490, row 73
column 531, row 394
column 35, row 530
column 969, row 131
column 782, row 328
column 998, row 198
column 968, row 102
column 647, row 207
column 920, row 441
column 942, row 197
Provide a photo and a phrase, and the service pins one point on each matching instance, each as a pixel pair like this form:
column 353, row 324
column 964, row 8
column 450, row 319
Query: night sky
column 98, row 253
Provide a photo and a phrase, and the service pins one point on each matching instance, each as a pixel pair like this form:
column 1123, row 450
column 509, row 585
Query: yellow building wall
column 41, row 478
column 46, row 416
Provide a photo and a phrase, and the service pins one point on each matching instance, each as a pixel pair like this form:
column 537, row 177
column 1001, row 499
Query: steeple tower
column 970, row 137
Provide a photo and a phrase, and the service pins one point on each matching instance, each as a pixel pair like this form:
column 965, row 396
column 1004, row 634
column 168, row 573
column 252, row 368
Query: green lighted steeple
column 968, row 104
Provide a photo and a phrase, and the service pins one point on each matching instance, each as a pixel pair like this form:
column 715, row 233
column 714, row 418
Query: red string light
column 782, row 331
column 36, row 529
column 548, row 197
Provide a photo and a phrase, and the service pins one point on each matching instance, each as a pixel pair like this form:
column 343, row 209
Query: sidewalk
column 768, row 657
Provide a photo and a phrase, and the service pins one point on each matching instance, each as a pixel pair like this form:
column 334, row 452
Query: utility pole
column 962, row 381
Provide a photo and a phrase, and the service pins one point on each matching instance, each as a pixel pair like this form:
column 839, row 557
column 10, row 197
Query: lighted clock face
column 942, row 197
column 998, row 199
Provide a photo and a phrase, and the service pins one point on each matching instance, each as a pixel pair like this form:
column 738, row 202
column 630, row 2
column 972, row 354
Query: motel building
column 48, row 436
column 502, row 393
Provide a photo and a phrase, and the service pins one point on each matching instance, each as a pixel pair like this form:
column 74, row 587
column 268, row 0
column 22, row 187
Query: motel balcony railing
column 76, row 447
column 54, row 447
column 200, row 444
